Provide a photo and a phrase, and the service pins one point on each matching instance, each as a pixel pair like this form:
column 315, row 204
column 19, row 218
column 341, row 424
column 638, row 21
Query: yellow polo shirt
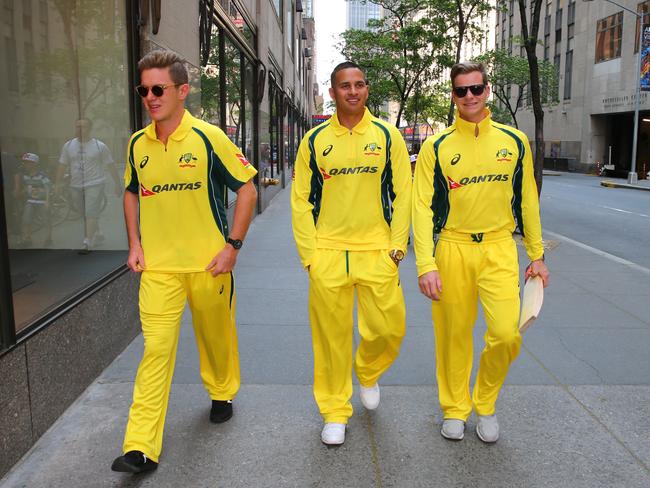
column 182, row 190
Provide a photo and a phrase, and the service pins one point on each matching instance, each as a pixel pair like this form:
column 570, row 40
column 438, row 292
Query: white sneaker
column 487, row 428
column 453, row 429
column 333, row 434
column 370, row 396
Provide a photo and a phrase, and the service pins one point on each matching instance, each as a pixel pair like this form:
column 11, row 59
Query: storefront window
column 65, row 127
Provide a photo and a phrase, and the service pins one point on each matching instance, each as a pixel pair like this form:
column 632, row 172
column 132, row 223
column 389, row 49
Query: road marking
column 611, row 257
column 624, row 211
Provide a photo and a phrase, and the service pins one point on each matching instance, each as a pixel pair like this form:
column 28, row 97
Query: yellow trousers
column 162, row 300
column 471, row 267
column 334, row 276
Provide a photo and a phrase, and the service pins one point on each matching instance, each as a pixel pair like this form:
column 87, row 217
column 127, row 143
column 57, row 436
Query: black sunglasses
column 461, row 91
column 157, row 90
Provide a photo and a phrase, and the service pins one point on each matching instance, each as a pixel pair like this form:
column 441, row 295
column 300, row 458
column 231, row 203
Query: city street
column 574, row 412
column 614, row 220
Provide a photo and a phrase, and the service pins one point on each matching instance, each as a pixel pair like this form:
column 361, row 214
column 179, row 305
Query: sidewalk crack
column 373, row 450
column 572, row 353
column 589, row 412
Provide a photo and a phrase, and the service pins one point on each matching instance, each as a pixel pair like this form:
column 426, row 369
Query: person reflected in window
column 87, row 159
column 32, row 187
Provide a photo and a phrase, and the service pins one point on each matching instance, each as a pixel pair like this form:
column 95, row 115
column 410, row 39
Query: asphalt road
column 614, row 220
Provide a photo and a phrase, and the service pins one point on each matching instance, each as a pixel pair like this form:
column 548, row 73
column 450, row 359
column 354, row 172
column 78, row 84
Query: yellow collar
column 179, row 133
column 469, row 128
column 360, row 128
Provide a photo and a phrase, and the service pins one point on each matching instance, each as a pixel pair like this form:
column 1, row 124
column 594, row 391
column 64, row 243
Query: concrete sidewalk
column 575, row 411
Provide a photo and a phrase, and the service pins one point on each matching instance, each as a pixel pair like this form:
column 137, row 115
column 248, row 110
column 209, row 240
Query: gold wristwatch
column 396, row 255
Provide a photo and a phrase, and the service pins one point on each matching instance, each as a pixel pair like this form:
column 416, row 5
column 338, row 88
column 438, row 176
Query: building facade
column 68, row 305
column 359, row 13
column 592, row 121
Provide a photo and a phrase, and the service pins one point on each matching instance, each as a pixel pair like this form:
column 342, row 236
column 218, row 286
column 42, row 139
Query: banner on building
column 645, row 59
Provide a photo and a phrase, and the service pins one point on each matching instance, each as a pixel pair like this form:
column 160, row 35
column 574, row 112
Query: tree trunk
column 539, row 119
column 461, row 34
column 530, row 43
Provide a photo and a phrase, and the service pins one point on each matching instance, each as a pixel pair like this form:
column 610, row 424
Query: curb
column 613, row 184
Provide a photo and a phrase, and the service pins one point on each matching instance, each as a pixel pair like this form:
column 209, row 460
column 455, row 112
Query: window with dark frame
column 609, row 33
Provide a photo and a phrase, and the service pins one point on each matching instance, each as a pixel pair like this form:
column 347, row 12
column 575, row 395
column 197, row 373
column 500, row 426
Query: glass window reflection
column 63, row 137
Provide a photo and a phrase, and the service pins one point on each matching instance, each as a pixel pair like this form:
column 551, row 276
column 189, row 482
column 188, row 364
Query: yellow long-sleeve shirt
column 352, row 188
column 475, row 184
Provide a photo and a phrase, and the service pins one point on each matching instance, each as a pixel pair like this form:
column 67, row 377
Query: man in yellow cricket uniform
column 350, row 202
column 473, row 183
column 176, row 177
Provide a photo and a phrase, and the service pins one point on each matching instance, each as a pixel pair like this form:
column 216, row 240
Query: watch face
column 399, row 255
column 236, row 243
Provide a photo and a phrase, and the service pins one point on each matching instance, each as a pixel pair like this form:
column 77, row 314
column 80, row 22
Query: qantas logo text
column 145, row 192
column 348, row 171
column 476, row 179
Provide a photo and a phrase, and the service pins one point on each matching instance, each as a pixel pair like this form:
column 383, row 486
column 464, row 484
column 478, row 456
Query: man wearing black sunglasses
column 177, row 173
column 473, row 184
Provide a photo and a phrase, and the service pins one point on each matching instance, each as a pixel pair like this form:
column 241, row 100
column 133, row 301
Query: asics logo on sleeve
column 455, row 159
column 328, row 150
column 144, row 162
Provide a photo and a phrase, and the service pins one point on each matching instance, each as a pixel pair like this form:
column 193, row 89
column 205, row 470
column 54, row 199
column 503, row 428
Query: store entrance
column 620, row 128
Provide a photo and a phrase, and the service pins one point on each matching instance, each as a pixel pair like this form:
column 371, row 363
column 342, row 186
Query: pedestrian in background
column 350, row 212
column 177, row 172
column 471, row 181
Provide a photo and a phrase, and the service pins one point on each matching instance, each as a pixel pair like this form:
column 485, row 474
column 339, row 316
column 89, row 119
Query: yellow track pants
column 162, row 301
column 474, row 266
column 334, row 276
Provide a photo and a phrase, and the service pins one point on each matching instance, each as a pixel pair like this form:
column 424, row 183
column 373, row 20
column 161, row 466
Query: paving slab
column 547, row 440
column 622, row 409
column 272, row 440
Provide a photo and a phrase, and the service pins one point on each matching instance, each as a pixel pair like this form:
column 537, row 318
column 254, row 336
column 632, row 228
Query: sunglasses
column 157, row 90
column 476, row 90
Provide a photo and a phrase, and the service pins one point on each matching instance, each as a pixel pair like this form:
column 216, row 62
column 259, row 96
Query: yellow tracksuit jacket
column 473, row 183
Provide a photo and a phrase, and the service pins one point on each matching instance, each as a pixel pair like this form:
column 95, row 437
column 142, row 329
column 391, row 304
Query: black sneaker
column 221, row 411
column 133, row 462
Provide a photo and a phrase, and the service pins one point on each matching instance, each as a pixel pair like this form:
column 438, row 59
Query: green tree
column 429, row 105
column 506, row 70
column 465, row 22
column 405, row 49
column 80, row 66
